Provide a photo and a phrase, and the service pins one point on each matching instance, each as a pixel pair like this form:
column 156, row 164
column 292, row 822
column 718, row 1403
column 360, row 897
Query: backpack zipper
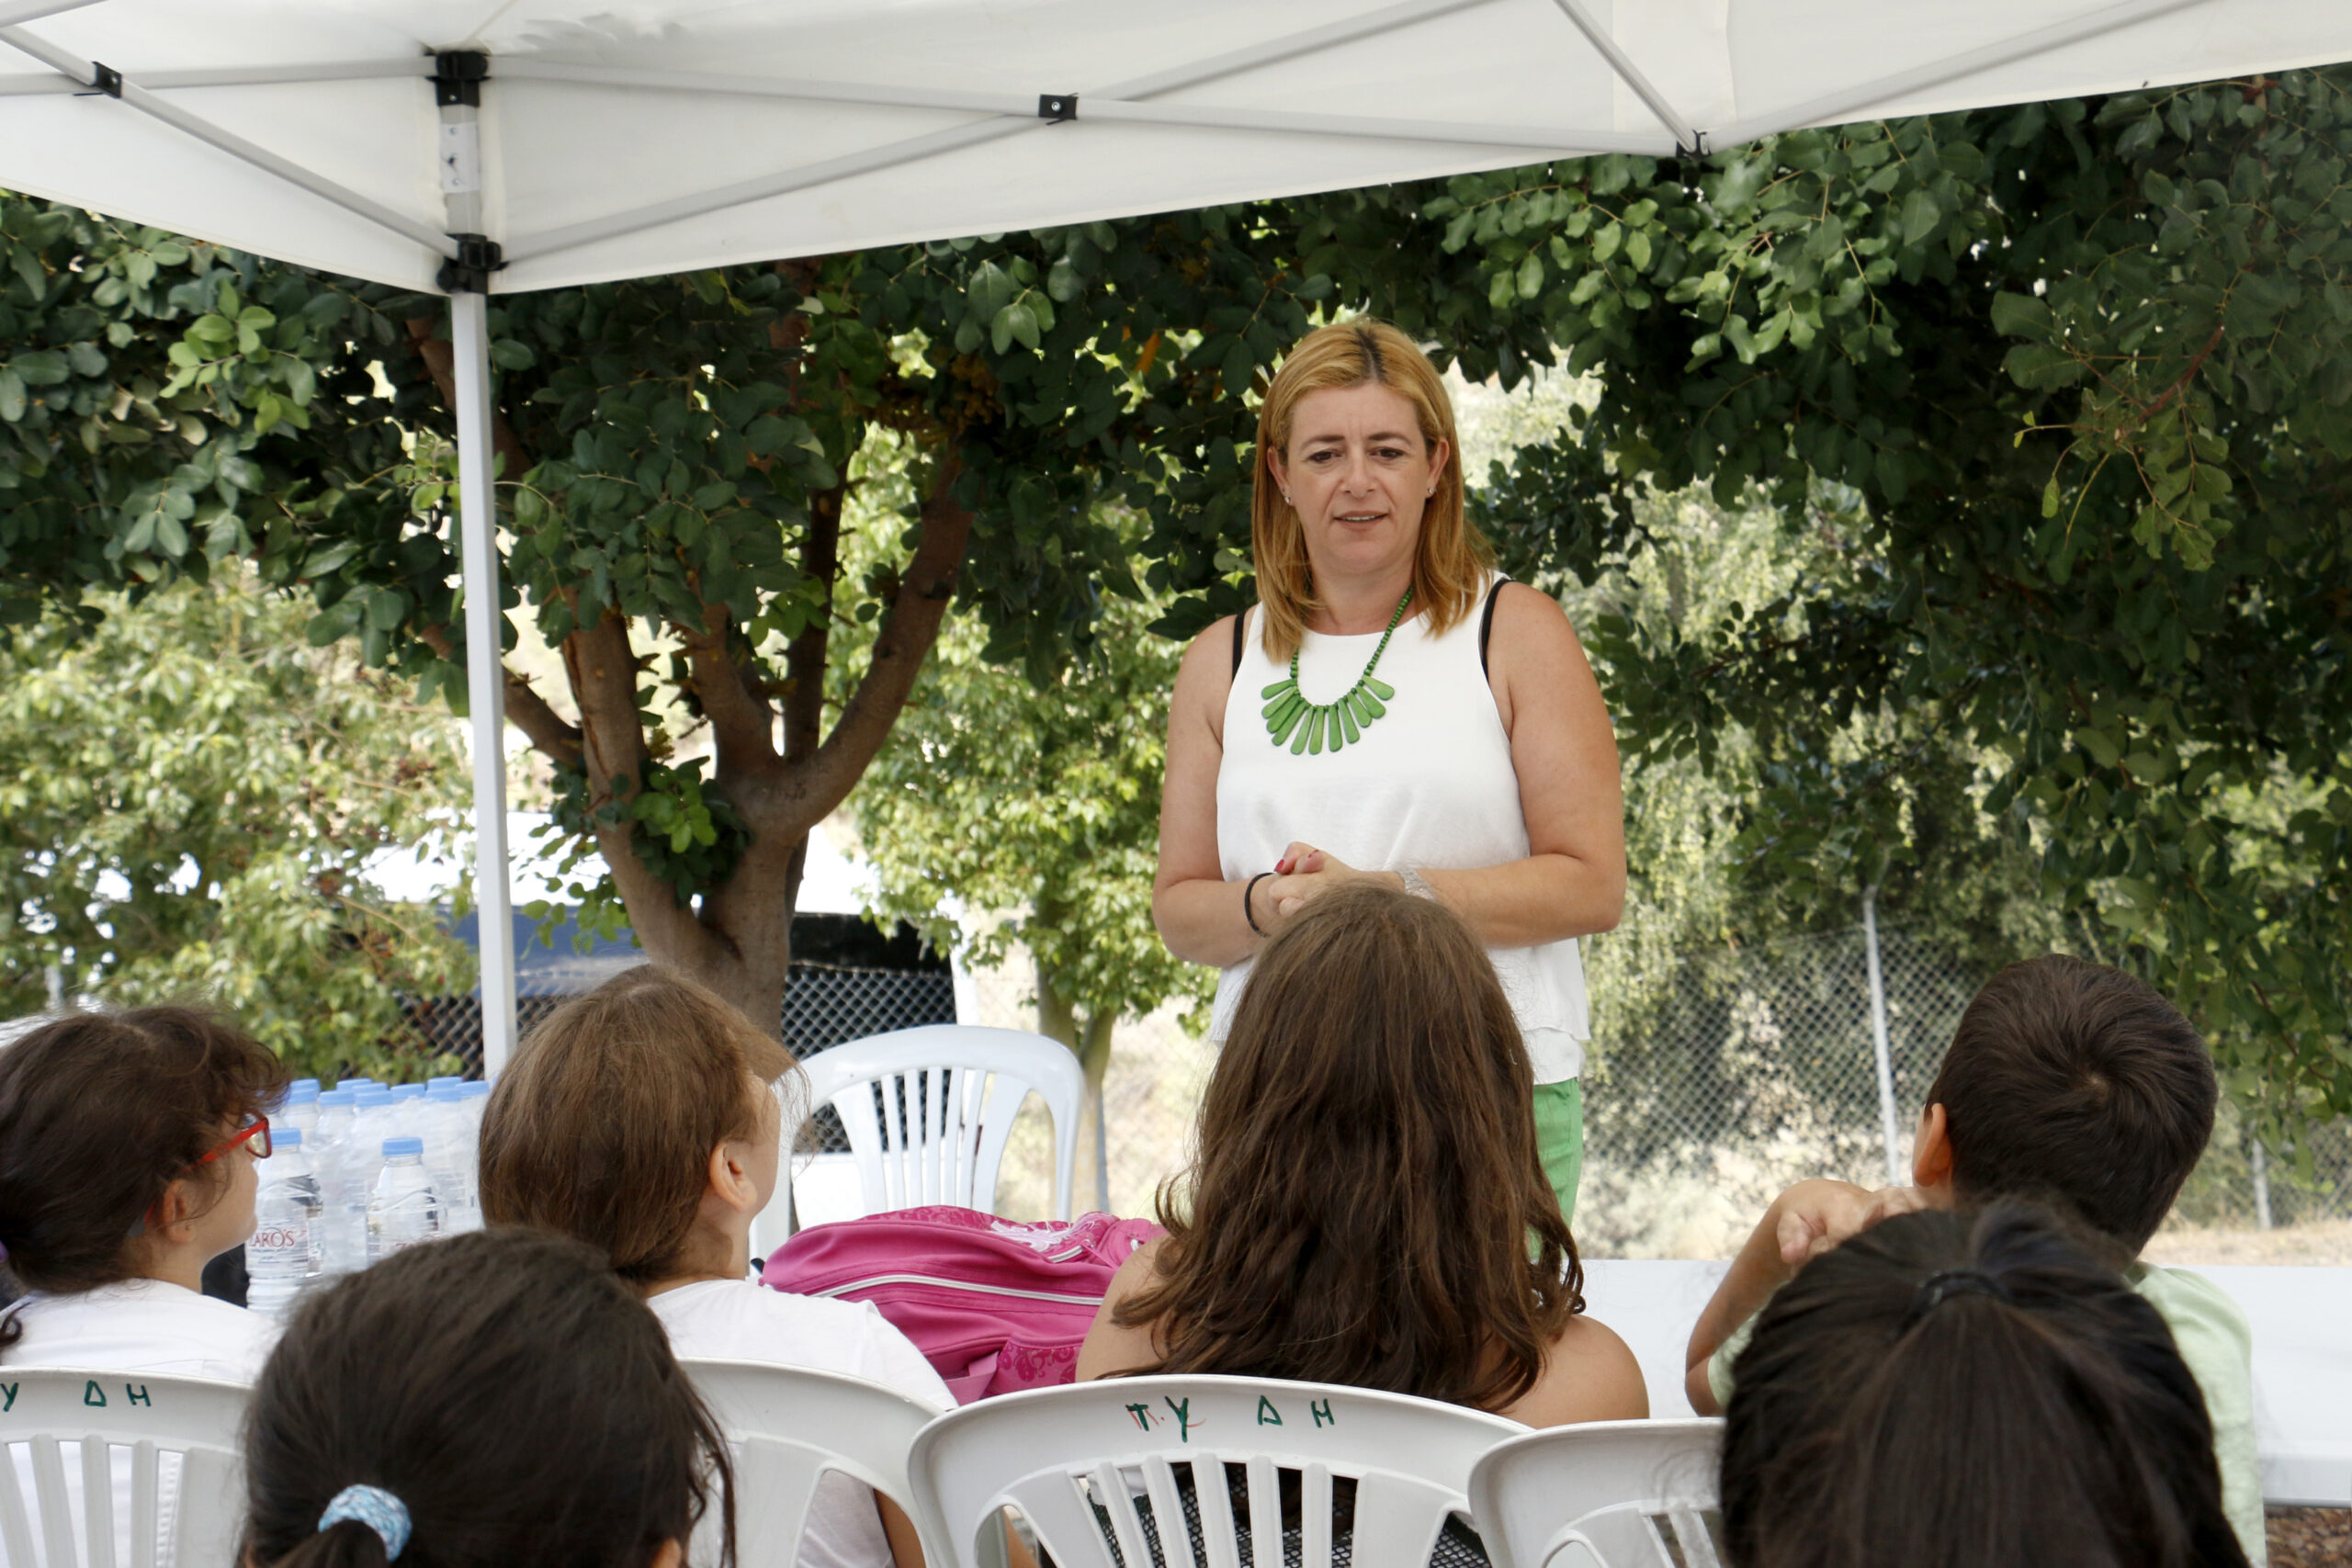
column 868, row 1283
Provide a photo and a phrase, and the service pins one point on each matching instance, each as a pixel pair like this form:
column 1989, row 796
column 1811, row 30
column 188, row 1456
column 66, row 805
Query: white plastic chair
column 144, row 1418
column 1606, row 1494
column 786, row 1427
column 928, row 1111
column 1055, row 1455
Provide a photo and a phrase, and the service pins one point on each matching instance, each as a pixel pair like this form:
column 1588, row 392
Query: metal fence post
column 1888, row 1123
column 2260, row 1161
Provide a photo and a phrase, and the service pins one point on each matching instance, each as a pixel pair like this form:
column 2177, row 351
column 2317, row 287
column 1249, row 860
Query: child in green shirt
column 2076, row 1086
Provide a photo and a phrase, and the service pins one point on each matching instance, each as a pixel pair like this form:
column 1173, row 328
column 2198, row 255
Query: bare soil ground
column 2311, row 1538
column 2322, row 1242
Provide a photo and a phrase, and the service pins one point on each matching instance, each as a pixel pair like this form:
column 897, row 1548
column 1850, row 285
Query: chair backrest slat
column 1220, row 1533
column 1410, row 1461
column 98, row 1485
column 1168, row 1509
column 788, row 1426
column 121, row 1431
column 146, row 1485
column 1606, row 1494
column 49, row 1486
column 16, row 1520
column 1265, row 1511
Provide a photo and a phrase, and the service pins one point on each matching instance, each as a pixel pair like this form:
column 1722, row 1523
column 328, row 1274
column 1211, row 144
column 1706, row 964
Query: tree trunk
column 734, row 937
column 1089, row 1037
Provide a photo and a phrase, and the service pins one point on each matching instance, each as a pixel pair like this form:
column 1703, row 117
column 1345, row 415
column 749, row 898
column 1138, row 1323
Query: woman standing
column 1392, row 710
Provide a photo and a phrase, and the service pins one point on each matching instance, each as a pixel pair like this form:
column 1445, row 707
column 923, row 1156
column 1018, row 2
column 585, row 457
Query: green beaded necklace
column 1313, row 726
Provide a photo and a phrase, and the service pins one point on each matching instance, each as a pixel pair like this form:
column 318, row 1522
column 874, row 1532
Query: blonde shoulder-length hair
column 1452, row 560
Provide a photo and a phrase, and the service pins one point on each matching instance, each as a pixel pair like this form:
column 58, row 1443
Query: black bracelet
column 1248, row 888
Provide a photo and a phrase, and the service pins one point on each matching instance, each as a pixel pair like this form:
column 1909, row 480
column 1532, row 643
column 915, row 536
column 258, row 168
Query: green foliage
column 190, row 793
column 1037, row 810
column 2057, row 395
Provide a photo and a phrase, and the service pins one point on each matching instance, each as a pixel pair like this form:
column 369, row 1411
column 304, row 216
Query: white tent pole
column 485, row 674
column 1685, row 134
column 1850, row 103
column 461, row 183
column 111, row 83
column 916, row 148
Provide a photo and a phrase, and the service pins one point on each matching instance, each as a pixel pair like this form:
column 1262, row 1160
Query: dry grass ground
column 2311, row 1538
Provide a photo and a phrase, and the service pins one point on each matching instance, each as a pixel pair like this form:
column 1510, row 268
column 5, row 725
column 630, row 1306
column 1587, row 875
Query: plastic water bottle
column 284, row 1252
column 301, row 1106
column 354, row 1180
column 406, row 1210
column 445, row 1123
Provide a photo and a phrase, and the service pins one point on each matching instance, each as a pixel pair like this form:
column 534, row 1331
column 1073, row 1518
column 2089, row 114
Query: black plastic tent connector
column 1058, row 106
column 458, row 76
column 106, row 79
column 469, row 272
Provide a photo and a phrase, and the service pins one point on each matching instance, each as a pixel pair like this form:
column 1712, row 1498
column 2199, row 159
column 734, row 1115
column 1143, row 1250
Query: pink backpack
column 993, row 1304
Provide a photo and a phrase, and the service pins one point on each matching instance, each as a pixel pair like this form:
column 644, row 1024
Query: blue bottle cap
column 372, row 1095
column 335, row 1099
column 285, row 1138
column 302, row 1091
column 299, row 1084
column 355, row 1083
column 407, row 1091
column 395, row 1147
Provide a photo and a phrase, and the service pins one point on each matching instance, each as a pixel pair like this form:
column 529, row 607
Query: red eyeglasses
column 255, row 1133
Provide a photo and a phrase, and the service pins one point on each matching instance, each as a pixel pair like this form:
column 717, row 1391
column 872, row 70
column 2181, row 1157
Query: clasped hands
column 1304, row 875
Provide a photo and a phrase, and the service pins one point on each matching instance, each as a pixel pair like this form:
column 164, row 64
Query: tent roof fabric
column 627, row 139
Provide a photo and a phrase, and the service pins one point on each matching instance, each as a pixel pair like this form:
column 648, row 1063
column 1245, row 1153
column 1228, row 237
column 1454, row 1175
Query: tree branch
column 548, row 731
column 804, row 703
column 742, row 723
column 819, row 781
column 601, row 668
column 440, row 358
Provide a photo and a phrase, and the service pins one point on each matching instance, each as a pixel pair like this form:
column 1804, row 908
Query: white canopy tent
column 475, row 147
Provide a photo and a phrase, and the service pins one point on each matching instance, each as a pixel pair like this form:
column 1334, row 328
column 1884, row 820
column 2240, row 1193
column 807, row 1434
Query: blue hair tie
column 376, row 1508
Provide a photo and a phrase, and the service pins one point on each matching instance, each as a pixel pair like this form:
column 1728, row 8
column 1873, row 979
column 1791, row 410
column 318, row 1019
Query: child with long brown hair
column 645, row 1119
column 1366, row 1204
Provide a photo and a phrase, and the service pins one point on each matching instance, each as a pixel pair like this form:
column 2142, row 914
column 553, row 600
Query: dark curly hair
column 509, row 1389
column 1947, row 1393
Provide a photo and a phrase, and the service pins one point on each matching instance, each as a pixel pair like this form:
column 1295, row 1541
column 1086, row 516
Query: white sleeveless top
column 1430, row 784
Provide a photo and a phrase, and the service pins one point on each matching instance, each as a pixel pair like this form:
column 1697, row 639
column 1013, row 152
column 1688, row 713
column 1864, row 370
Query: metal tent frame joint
column 469, row 271
column 1058, row 106
column 458, row 76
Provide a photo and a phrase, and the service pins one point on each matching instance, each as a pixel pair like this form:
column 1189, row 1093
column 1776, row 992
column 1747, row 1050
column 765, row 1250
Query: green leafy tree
column 2060, row 395
column 1004, row 813
column 190, row 793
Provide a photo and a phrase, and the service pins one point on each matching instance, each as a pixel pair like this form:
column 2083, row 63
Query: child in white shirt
column 128, row 1150
column 645, row 1119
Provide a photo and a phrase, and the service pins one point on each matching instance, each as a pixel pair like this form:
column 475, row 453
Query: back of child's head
column 516, row 1401
column 1949, row 1391
column 100, row 1113
column 1366, row 1205
column 603, row 1124
column 2077, row 1086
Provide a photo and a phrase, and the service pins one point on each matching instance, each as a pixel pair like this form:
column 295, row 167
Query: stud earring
column 1285, row 498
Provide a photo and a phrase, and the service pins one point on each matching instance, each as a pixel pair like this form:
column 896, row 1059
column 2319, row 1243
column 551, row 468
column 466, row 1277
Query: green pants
column 1559, row 1139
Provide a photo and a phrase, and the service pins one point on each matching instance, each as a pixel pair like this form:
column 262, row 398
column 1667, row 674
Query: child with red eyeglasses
column 128, row 1147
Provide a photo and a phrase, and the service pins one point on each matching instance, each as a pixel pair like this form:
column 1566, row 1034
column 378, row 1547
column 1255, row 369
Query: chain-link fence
column 824, row 1004
column 1711, row 1085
